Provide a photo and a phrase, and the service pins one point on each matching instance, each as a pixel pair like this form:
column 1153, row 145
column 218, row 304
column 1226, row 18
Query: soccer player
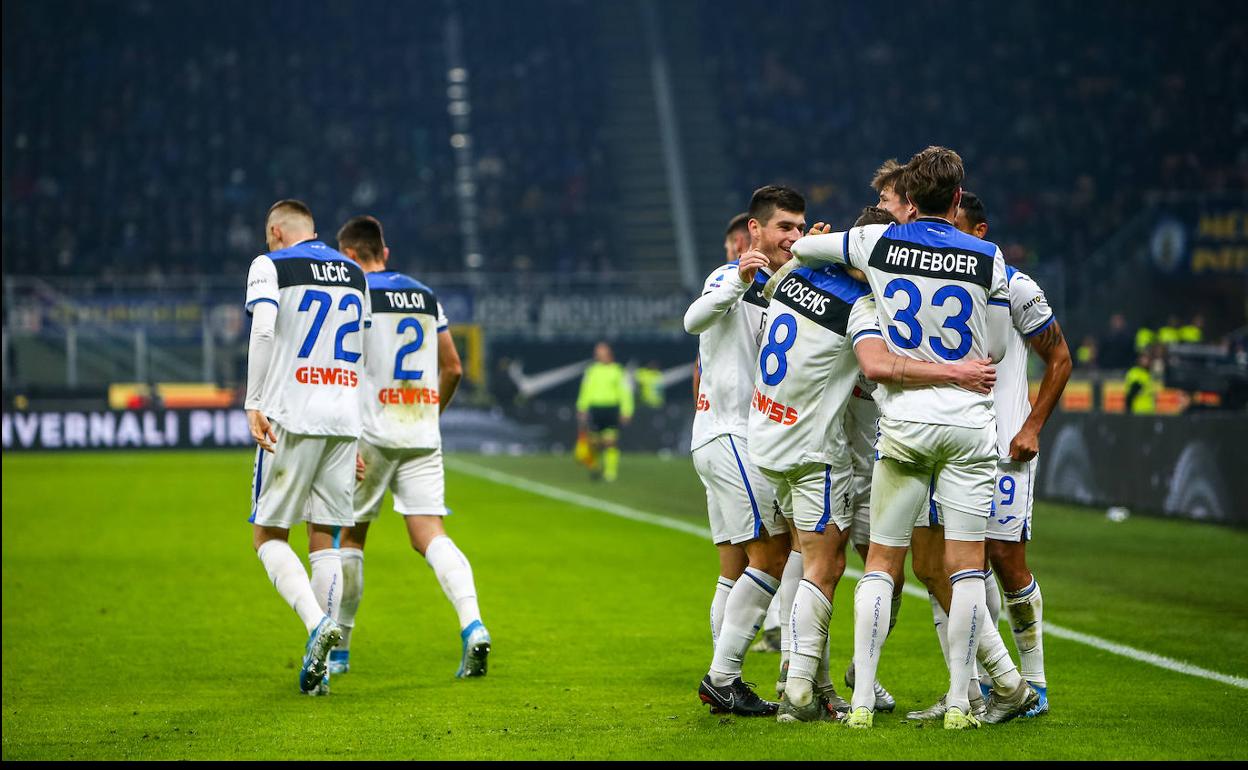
column 933, row 285
column 308, row 304
column 1018, row 442
column 604, row 404
column 728, row 318
column 411, row 372
column 806, row 372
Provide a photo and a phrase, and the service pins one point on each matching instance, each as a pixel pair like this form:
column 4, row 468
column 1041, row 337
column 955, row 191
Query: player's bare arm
column 450, row 370
column 881, row 365
column 1050, row 345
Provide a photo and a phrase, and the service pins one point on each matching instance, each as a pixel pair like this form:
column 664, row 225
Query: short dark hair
column 874, row 215
column 290, row 206
column 976, row 214
column 739, row 223
column 766, row 200
column 932, row 179
column 364, row 234
column 889, row 175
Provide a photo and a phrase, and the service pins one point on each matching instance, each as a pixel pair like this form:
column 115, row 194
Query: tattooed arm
column 1050, row 345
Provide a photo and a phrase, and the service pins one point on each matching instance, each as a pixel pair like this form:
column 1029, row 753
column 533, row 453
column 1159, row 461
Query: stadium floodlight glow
column 475, row 261
column 459, row 141
column 459, row 108
column 457, row 75
column 457, row 92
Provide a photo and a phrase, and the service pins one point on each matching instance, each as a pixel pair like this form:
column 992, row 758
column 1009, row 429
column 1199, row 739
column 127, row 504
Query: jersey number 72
column 323, row 302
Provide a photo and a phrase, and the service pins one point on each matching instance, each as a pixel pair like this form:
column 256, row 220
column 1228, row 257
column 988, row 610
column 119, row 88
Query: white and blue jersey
column 933, row 285
column 312, row 384
column 1030, row 314
column 400, row 391
column 806, row 368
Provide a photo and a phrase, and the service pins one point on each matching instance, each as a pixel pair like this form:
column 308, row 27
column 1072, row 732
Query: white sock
column 455, row 574
column 772, row 618
column 895, row 611
column 327, row 580
column 1026, row 612
column 291, row 581
column 992, row 596
column 995, row 660
column 789, row 579
column 352, row 592
column 967, row 619
column 809, row 633
column 722, row 587
column 941, row 619
column 872, row 609
column 743, row 614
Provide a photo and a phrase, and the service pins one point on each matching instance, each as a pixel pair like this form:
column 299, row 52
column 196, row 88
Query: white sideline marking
column 659, row 520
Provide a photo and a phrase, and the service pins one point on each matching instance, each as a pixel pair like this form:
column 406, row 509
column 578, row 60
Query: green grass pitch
column 137, row 623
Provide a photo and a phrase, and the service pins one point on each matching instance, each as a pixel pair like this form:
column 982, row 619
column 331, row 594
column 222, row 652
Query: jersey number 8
column 907, row 318
column 778, row 349
column 323, row 302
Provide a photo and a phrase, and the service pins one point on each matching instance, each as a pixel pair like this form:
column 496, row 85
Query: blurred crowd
column 145, row 137
column 1066, row 113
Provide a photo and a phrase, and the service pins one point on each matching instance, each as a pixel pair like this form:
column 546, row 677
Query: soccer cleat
column 936, row 711
column 1003, row 708
column 339, row 661
column 884, row 700
column 322, row 639
column 834, row 703
column 734, row 698
column 956, row 720
column 861, row 718
column 769, row 641
column 321, row 688
column 476, row 642
column 1042, row 706
column 817, row 709
column 784, row 678
column 984, row 689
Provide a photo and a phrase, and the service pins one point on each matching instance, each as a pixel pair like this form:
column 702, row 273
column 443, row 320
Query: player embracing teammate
column 317, row 383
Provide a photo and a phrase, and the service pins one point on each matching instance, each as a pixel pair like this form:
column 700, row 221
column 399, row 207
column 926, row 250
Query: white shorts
column 814, row 495
column 306, row 478
column 1012, row 519
column 860, row 494
column 415, row 476
column 924, row 467
column 740, row 502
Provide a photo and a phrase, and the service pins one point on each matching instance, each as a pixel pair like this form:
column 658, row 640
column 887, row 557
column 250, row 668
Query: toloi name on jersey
column 407, row 396
column 775, row 411
column 326, row 375
column 403, row 301
column 914, row 259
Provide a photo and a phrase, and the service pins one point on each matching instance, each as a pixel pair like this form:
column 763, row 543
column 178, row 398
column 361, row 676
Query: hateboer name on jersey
column 301, row 271
column 403, row 301
column 907, row 258
column 815, row 302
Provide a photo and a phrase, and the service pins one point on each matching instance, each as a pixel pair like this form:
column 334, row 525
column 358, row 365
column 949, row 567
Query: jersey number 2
column 323, row 303
column 409, row 374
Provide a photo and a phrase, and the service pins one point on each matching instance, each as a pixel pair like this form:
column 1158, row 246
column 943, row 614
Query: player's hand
column 359, row 467
column 977, row 376
column 261, row 430
column 819, row 228
column 1026, row 445
column 750, row 263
